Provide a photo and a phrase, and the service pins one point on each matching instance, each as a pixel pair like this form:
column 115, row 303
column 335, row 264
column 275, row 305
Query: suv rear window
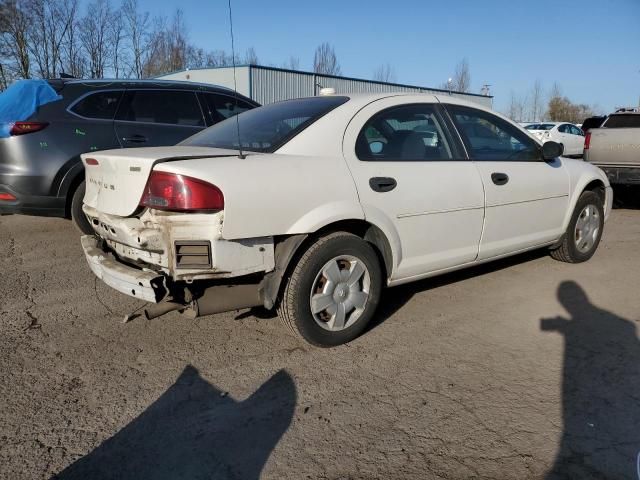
column 265, row 129
column 623, row 121
column 162, row 106
column 100, row 105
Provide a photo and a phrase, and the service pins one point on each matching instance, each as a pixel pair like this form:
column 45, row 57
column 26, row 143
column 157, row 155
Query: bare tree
column 251, row 57
column 384, row 73
column 51, row 20
column 325, row 60
column 95, row 36
column 292, row 64
column 73, row 55
column 116, row 40
column 536, row 102
column 136, row 28
column 14, row 38
column 517, row 108
column 462, row 77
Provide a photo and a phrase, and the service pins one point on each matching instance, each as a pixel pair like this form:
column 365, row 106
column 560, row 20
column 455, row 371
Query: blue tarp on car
column 21, row 100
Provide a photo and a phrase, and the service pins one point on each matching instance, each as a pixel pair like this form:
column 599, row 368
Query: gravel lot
column 513, row 370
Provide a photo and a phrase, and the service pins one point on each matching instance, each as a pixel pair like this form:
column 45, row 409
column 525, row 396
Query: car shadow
column 393, row 299
column 195, row 431
column 600, row 394
column 626, row 197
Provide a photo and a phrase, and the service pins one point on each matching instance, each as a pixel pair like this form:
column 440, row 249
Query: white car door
column 526, row 197
column 414, row 182
column 577, row 140
column 566, row 139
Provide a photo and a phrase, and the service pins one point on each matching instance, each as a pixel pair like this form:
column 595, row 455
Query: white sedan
column 570, row 136
column 331, row 199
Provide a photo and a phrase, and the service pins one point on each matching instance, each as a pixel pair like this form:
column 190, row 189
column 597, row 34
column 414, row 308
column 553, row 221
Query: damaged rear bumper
column 143, row 284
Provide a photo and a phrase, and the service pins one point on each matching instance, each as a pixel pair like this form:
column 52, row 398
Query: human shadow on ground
column 600, row 390
column 195, row 431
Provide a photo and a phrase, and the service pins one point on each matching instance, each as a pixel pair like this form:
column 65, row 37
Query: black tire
column 568, row 250
column 294, row 307
column 77, row 215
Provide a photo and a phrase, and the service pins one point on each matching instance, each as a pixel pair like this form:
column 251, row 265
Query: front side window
column 564, row 128
column 100, row 105
column 575, row 130
column 162, row 106
column 265, row 129
column 488, row 137
column 405, row 133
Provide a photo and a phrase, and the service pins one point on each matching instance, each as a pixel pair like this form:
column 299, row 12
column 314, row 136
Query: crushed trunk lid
column 115, row 179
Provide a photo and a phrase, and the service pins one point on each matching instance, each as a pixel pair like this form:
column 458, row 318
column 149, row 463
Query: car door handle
column 135, row 139
column 499, row 178
column 382, row 184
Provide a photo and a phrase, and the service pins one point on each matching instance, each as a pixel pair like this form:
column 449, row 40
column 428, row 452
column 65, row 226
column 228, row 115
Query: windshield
column 540, row 126
column 265, row 129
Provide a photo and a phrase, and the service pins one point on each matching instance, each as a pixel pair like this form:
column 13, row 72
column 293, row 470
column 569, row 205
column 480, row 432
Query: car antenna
column 241, row 156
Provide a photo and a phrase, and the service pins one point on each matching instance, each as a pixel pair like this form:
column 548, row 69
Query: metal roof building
column 269, row 84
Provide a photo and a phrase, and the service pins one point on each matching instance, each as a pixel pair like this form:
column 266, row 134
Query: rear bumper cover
column 32, row 204
column 143, row 284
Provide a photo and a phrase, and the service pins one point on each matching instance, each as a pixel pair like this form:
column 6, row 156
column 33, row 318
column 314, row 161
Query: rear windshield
column 623, row 121
column 265, row 129
column 540, row 126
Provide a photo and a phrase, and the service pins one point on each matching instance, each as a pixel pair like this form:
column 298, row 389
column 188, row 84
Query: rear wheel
column 583, row 234
column 333, row 290
column 77, row 215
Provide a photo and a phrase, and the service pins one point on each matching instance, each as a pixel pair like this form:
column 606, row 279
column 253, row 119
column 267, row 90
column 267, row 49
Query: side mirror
column 552, row 150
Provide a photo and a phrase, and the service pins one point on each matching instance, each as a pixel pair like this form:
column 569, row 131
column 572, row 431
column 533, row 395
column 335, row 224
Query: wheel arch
column 289, row 248
column 586, row 184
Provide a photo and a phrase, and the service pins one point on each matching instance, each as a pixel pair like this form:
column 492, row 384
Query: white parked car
column 334, row 198
column 570, row 136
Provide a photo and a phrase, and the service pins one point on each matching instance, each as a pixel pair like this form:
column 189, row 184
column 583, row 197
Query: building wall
column 216, row 76
column 267, row 85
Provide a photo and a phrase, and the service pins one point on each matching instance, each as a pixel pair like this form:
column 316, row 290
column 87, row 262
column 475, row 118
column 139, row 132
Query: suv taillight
column 587, row 140
column 21, row 128
column 169, row 191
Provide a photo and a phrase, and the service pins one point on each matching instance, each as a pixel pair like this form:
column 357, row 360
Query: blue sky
column 590, row 47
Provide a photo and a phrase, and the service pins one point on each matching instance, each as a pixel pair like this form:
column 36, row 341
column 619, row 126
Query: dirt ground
column 527, row 368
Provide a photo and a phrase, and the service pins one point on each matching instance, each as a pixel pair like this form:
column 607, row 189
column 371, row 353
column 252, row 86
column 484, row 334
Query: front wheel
column 333, row 290
column 583, row 234
column 77, row 215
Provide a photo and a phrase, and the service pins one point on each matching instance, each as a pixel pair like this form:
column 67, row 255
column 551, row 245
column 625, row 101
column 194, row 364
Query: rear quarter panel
column 276, row 194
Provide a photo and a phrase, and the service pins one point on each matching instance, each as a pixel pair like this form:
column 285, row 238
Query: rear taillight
column 21, row 128
column 168, row 191
column 587, row 140
column 7, row 196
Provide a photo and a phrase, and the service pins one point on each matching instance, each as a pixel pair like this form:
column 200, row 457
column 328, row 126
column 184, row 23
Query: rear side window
column 221, row 107
column 488, row 137
column 623, row 121
column 101, row 105
column 405, row 133
column 162, row 106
